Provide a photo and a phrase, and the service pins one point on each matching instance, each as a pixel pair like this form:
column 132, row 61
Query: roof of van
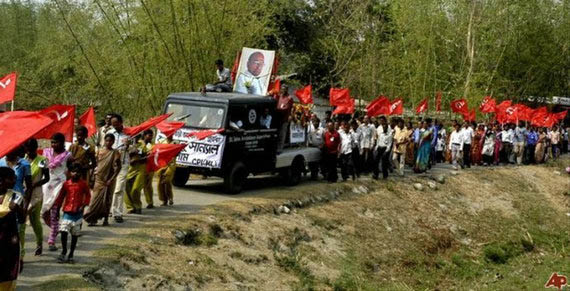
column 225, row 98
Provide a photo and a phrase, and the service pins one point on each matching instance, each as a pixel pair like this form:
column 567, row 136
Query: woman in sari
column 57, row 158
column 410, row 147
column 477, row 145
column 10, row 213
column 422, row 159
column 488, row 148
column 540, row 146
column 83, row 153
column 108, row 167
column 498, row 144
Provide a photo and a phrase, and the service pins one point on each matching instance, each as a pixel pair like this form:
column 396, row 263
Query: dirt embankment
column 480, row 229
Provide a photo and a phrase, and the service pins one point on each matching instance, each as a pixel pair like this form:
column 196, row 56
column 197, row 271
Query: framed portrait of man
column 254, row 71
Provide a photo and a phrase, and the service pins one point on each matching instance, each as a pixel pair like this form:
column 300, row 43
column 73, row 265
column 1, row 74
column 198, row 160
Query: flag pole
column 12, row 106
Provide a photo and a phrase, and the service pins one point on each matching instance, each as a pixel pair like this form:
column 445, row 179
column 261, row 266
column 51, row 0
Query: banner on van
column 297, row 133
column 204, row 153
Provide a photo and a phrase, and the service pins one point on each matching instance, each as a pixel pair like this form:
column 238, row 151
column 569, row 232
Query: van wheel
column 293, row 174
column 181, row 176
column 235, row 178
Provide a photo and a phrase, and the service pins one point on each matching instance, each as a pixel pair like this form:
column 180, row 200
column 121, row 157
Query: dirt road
column 196, row 194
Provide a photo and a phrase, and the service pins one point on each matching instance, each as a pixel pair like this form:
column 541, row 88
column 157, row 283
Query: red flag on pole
column 470, row 116
column 378, row 106
column 8, row 87
column 202, row 134
column 422, row 107
column 87, row 119
column 345, row 108
column 397, row 107
column 539, row 116
column 18, row 126
column 134, row 130
column 501, row 111
column 560, row 115
column 438, row 101
column 305, row 95
column 63, row 117
column 339, row 96
column 459, row 106
column 161, row 155
column 488, row 105
column 169, row 128
column 235, row 67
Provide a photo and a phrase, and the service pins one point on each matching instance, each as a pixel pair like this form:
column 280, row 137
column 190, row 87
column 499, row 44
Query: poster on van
column 254, row 71
column 204, row 153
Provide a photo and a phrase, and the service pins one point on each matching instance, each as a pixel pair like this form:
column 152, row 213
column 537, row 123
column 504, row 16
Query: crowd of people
column 90, row 179
column 373, row 145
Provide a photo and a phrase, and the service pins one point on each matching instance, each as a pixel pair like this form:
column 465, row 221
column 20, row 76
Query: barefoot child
column 73, row 198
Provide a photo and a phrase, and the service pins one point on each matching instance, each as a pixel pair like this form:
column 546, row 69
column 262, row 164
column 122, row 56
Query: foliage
column 127, row 56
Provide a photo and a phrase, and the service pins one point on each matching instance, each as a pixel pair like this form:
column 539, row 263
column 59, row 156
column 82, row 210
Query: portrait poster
column 254, row 71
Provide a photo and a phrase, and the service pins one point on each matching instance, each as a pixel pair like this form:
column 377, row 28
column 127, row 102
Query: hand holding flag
column 161, row 155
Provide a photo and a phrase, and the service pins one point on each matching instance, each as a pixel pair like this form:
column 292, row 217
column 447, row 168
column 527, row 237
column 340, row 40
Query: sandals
column 52, row 248
column 61, row 259
column 39, row 251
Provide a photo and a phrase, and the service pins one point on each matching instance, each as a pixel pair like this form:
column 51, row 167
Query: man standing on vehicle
column 284, row 106
column 331, row 152
column 224, row 83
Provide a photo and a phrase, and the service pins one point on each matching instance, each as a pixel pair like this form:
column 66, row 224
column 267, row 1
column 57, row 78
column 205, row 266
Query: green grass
column 66, row 283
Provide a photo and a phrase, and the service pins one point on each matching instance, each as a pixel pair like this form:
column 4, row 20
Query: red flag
column 87, row 119
column 378, row 106
column 459, row 106
column 305, row 95
column 202, row 134
column 397, row 107
column 344, row 108
column 8, row 87
column 501, row 111
column 470, row 116
column 488, row 105
column 18, row 126
column 235, row 68
column 560, row 115
column 134, row 130
column 339, row 96
column 169, row 128
column 422, row 107
column 274, row 88
column 161, row 155
column 438, row 101
column 63, row 117
column 539, row 116
column 550, row 120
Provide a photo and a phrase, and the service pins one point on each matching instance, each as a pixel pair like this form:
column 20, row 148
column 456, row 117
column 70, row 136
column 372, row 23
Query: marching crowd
column 90, row 179
column 369, row 144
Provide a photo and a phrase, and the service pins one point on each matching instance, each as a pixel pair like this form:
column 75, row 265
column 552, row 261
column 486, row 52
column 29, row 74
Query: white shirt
column 225, row 75
column 367, row 132
column 345, row 142
column 384, row 138
column 356, row 136
column 120, row 144
column 508, row 136
column 316, row 136
column 456, row 138
column 467, row 135
column 265, row 121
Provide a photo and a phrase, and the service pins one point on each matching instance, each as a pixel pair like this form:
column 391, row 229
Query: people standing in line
column 346, row 163
column 519, row 143
column 106, row 172
column 456, row 145
column 367, row 131
column 468, row 133
column 531, row 141
column 40, row 176
column 74, row 196
column 11, row 213
column 165, row 177
column 146, row 144
column 383, row 144
column 136, row 176
column 83, row 154
column 331, row 152
column 555, row 141
column 401, row 139
column 123, row 145
column 58, row 159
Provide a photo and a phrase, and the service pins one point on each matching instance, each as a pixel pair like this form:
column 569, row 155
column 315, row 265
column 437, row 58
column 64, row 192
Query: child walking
column 75, row 196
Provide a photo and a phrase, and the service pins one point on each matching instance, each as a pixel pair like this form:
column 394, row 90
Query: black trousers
column 347, row 166
column 381, row 161
column 330, row 165
column 529, row 154
column 356, row 160
column 467, row 155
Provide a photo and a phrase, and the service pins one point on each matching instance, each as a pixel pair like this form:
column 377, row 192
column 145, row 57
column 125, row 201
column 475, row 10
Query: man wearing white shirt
column 456, row 144
column 367, row 131
column 122, row 143
column 346, row 163
column 508, row 136
column 467, row 133
column 315, row 138
column 383, row 144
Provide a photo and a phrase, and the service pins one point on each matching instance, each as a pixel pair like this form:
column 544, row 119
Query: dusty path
column 189, row 199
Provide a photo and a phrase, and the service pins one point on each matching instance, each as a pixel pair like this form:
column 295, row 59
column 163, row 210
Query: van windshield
column 197, row 116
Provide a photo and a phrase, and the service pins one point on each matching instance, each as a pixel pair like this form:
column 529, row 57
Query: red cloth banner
column 305, row 94
column 63, row 117
column 134, row 130
column 168, row 128
column 378, row 106
column 202, row 134
column 470, row 116
column 397, row 107
column 8, row 87
column 345, row 108
column 488, row 105
column 438, row 101
column 459, row 106
column 161, row 155
column 338, row 96
column 87, row 119
column 560, row 115
column 18, row 126
column 422, row 107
